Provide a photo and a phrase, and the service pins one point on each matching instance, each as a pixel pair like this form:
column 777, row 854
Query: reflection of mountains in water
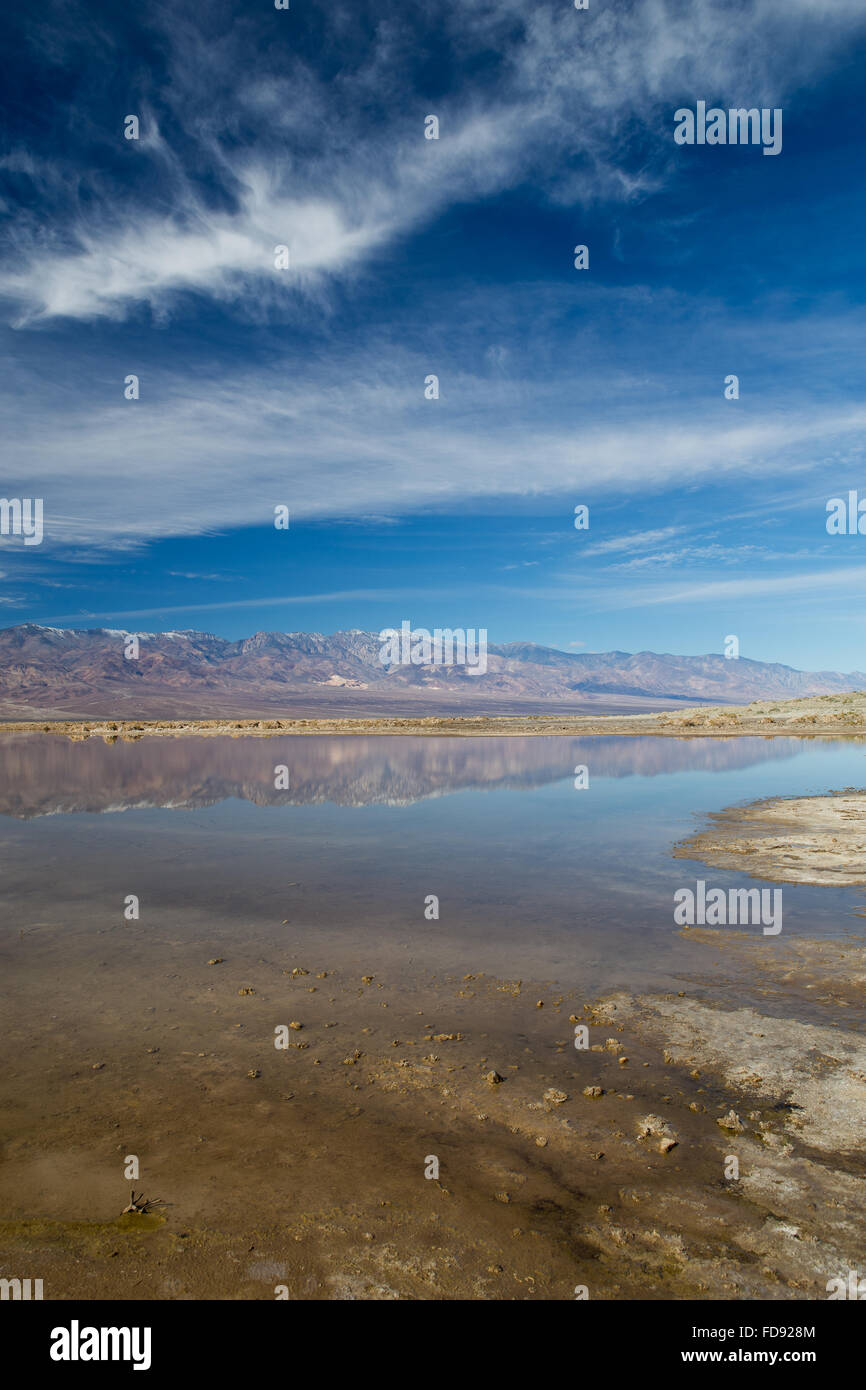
column 41, row 774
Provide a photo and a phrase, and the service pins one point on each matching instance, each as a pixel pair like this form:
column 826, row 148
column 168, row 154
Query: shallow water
column 155, row 1037
column 534, row 877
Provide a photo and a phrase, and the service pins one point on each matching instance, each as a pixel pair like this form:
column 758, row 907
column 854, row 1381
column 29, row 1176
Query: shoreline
column 608, row 1167
column 819, row 840
column 684, row 1126
column 824, row 716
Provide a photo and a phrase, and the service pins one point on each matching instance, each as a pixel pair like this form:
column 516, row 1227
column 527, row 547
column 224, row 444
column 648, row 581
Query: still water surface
column 533, row 876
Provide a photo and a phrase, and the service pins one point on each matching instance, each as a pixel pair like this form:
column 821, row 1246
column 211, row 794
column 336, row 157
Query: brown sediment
column 824, row 716
column 304, row 1167
column 795, row 1100
column 810, row 972
column 801, row 839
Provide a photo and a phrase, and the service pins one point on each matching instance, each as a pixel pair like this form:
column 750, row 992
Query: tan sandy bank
column 607, row 1168
column 824, row 716
column 802, row 839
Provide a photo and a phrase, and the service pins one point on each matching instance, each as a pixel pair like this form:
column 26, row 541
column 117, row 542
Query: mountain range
column 48, row 672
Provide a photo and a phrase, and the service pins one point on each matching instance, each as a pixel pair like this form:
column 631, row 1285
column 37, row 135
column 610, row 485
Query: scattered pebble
column 731, row 1122
column 654, row 1127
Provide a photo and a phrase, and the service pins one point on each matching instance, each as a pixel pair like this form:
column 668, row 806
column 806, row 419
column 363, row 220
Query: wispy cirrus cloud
column 359, row 595
column 634, row 540
column 335, row 165
column 225, row 457
column 848, row 581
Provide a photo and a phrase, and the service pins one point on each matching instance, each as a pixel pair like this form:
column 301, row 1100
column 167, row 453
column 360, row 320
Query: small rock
column 554, row 1097
column 593, row 1092
column 654, row 1127
column 494, row 1078
column 731, row 1122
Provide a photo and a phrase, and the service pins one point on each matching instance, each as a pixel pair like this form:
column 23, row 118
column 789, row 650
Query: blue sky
column 408, row 257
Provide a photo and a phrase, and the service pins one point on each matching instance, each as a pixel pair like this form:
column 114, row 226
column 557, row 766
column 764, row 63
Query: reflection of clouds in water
column 42, row 774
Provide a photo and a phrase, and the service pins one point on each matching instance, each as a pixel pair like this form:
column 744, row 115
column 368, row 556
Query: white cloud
column 635, row 540
column 222, row 453
column 849, row 581
column 338, row 169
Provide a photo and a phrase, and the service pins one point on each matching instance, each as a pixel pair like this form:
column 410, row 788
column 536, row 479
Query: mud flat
column 825, row 716
column 803, row 839
column 605, row 1168
column 796, row 1120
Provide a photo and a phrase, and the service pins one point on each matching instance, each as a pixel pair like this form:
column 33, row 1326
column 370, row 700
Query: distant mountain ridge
column 49, row 670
